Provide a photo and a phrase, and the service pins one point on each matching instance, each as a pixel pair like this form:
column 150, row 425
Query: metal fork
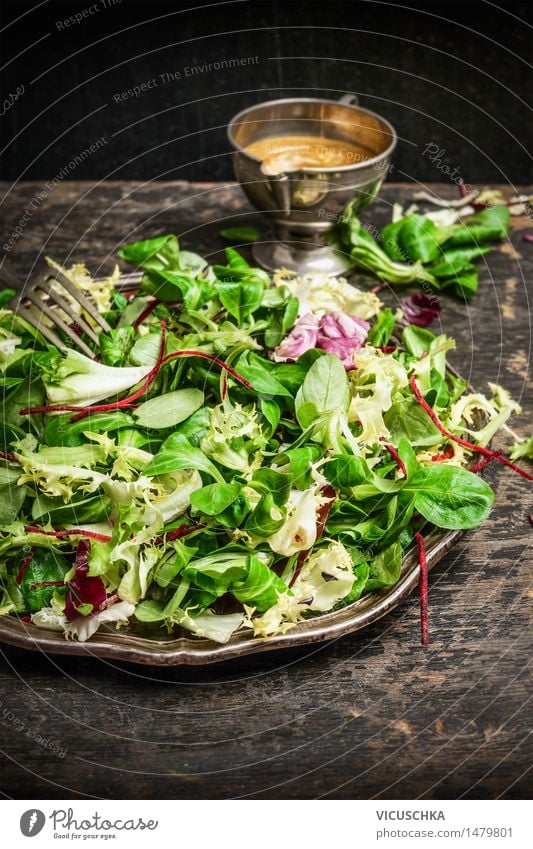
column 37, row 298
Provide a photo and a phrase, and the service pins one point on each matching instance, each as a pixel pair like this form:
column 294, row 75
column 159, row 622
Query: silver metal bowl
column 301, row 206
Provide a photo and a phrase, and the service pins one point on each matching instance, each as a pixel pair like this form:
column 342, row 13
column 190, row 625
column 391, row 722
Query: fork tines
column 45, row 300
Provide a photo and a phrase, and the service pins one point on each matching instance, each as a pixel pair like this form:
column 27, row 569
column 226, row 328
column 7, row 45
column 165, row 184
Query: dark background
column 450, row 73
column 373, row 715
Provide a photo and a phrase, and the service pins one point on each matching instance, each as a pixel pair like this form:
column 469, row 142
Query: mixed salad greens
column 437, row 249
column 241, row 453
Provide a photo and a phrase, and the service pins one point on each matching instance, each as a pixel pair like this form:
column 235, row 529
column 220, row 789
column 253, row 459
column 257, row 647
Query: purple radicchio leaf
column 301, row 339
column 84, row 589
column 420, row 309
column 342, row 335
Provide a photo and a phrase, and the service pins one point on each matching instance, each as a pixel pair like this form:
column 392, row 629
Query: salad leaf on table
column 414, row 249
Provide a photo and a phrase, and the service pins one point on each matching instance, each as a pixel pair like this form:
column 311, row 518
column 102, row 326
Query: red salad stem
column 387, row 349
column 103, row 408
column 75, row 532
column 422, row 560
column 25, row 563
column 484, row 462
column 182, row 531
column 148, row 310
column 401, row 465
column 322, row 518
column 212, row 359
column 10, row 457
column 495, row 455
column 149, row 379
column 224, row 386
column 446, row 455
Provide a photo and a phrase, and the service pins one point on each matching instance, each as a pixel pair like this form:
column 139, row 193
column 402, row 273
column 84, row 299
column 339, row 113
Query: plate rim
column 187, row 651
column 190, row 651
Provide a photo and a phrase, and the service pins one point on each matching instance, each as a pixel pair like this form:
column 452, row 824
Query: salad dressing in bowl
column 286, row 153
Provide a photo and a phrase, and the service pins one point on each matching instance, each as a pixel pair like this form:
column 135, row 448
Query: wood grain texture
column 371, row 715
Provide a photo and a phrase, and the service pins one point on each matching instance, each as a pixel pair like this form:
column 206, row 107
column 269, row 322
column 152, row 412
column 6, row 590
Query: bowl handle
column 349, row 99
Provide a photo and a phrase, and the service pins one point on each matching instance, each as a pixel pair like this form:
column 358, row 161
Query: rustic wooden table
column 369, row 716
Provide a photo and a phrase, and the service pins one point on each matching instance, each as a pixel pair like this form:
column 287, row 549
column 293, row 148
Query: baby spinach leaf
column 165, row 411
column 346, row 471
column 167, row 570
column 390, row 240
column 12, row 496
column 266, row 518
column 385, row 568
column 196, row 426
column 260, row 588
column 174, row 285
column 235, row 259
column 419, row 238
column 139, row 253
column 233, row 515
column 79, row 511
column 491, row 224
column 215, row 497
column 451, row 497
column 455, row 261
column 407, row 419
column 45, row 565
column 325, row 390
column 280, row 322
column 261, row 374
column 275, row 483
column 244, row 233
column 176, row 453
column 60, row 430
column 271, row 412
column 29, row 393
column 299, row 461
column 244, row 575
column 9, row 433
column 407, row 456
column 382, row 329
column 115, row 345
column 150, row 611
column 240, row 297
column 417, row 340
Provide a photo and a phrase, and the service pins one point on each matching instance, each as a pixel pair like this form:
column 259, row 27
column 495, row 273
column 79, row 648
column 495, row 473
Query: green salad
column 241, row 453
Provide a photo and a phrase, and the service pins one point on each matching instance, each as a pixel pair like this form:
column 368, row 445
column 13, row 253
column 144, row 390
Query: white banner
column 266, row 824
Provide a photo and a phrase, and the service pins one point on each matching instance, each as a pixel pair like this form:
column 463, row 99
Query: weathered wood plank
column 369, row 715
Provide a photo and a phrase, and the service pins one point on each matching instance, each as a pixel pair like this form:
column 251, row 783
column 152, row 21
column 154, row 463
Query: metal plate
column 151, row 645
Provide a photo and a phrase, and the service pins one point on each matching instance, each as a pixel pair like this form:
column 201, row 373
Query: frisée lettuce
column 240, row 454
